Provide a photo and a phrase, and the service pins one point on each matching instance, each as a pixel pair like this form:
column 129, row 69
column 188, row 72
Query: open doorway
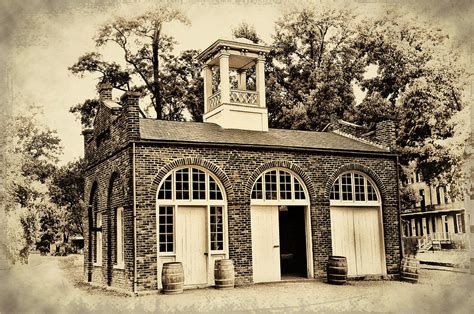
column 293, row 257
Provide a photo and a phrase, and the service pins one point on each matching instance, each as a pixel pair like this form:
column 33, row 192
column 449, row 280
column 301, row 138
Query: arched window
column 353, row 188
column 193, row 186
column 190, row 184
column 279, row 186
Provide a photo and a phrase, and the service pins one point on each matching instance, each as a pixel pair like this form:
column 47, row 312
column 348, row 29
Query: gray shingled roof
column 195, row 132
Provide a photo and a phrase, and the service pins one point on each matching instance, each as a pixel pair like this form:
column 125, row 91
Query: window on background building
column 418, row 177
column 423, row 201
column 444, row 220
column 460, row 223
column 98, row 240
column 120, row 238
column 438, row 195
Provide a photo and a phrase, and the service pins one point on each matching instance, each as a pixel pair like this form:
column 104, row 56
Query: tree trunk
column 156, row 73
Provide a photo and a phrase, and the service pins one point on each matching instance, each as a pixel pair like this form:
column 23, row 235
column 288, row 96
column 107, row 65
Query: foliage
column 86, row 112
column 151, row 67
column 66, row 191
column 311, row 68
column 247, row 31
column 319, row 56
column 419, row 83
column 30, row 155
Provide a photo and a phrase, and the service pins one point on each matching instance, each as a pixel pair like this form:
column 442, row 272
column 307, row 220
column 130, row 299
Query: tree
column 311, row 68
column 146, row 50
column 318, row 57
column 30, row 154
column 419, row 83
column 247, row 31
column 66, row 190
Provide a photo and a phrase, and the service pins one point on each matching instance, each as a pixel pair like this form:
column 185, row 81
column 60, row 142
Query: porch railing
column 237, row 96
column 245, row 97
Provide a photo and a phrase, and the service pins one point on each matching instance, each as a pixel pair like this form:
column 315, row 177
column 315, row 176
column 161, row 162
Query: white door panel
column 342, row 234
column 356, row 234
column 265, row 243
column 368, row 236
column 191, row 244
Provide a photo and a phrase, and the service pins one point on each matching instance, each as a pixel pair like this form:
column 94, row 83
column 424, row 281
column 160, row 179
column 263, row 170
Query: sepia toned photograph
column 245, row 156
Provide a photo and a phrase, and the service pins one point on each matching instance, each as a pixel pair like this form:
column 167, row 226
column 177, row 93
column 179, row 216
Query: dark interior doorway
column 292, row 241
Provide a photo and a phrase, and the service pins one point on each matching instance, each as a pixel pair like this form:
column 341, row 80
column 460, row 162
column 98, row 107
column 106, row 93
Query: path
column 50, row 285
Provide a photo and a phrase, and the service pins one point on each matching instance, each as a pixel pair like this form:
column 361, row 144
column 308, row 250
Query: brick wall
column 237, row 166
column 113, row 179
column 113, row 129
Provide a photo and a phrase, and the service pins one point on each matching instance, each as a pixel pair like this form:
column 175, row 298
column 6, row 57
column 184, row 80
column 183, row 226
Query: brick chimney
column 105, row 91
column 131, row 110
column 385, row 133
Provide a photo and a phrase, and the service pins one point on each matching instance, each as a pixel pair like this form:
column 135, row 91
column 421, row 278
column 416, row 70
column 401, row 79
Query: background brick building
column 277, row 202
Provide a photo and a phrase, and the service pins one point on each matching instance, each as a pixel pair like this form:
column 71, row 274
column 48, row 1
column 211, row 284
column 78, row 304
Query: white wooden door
column 265, row 243
column 356, row 234
column 342, row 234
column 368, row 241
column 191, row 245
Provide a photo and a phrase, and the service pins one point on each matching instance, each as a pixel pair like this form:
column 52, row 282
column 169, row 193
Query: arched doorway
column 356, row 224
column 92, row 209
column 191, row 215
column 281, row 227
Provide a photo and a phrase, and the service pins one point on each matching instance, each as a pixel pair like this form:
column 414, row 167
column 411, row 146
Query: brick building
column 277, row 202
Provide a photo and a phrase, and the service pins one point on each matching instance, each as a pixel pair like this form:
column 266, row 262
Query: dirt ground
column 55, row 285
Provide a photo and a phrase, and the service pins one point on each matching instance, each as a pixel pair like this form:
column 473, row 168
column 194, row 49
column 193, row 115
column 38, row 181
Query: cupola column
column 224, row 76
column 260, row 77
column 242, row 82
column 207, row 77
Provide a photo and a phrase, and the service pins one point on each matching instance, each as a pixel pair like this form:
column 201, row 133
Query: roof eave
column 278, row 147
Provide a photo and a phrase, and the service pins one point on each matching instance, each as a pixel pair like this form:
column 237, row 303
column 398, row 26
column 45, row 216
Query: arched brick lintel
column 355, row 167
column 93, row 191
column 115, row 175
column 286, row 165
column 194, row 161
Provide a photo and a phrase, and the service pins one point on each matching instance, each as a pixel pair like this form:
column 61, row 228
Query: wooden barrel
column 224, row 274
column 172, row 278
column 410, row 267
column 337, row 270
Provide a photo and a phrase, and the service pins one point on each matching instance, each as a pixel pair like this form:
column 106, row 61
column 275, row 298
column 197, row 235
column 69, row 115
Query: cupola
column 234, row 107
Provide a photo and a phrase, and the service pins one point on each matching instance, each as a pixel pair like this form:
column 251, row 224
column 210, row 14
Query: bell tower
column 235, row 108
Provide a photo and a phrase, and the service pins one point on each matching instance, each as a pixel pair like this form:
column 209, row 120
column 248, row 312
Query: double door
column 356, row 234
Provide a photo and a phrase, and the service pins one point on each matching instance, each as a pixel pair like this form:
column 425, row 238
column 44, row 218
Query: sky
column 41, row 39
